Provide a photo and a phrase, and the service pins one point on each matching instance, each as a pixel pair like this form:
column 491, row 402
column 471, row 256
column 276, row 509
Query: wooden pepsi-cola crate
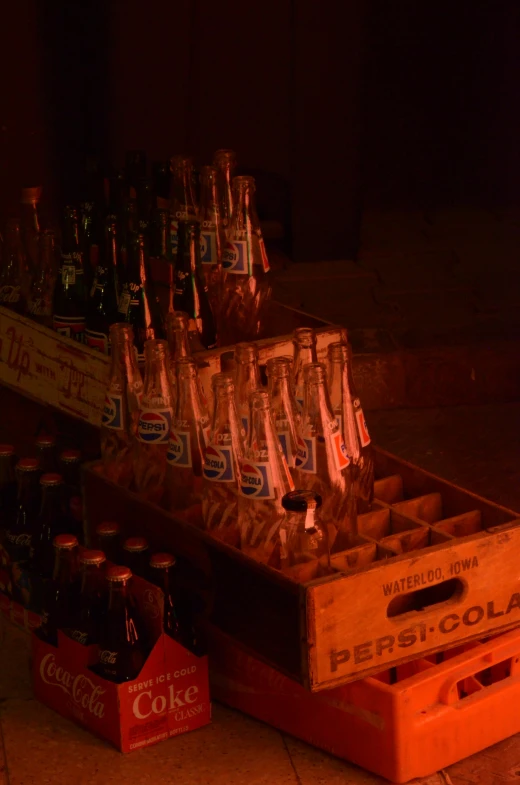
column 432, row 566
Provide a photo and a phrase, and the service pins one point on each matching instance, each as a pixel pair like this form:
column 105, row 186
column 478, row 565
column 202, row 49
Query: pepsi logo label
column 256, row 481
column 154, row 426
column 235, row 258
column 179, row 449
column 341, row 458
column 364, row 436
column 112, row 416
column 306, row 455
column 218, row 464
column 208, row 247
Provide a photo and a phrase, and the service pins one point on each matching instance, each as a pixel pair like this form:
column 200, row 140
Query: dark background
column 336, row 107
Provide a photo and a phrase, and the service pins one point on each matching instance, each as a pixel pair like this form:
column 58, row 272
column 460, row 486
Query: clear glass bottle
column 283, row 403
column 225, row 162
column 222, row 461
column 247, row 379
column 246, row 285
column 39, row 301
column 188, row 440
column 12, row 271
column 322, row 463
column 155, row 421
column 347, row 409
column 183, row 206
column 264, row 481
column 304, row 343
column 304, row 552
column 121, row 408
column 213, row 237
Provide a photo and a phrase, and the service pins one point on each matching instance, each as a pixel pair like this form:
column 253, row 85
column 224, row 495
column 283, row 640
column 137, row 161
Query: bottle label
column 9, row 294
column 339, row 451
column 69, row 326
column 39, row 307
column 179, row 449
column 218, row 464
column 235, row 258
column 124, row 302
column 256, row 481
column 113, row 416
column 263, row 252
column 69, row 273
column 306, row 455
column 364, row 436
column 154, row 426
column 208, row 246
column 98, row 341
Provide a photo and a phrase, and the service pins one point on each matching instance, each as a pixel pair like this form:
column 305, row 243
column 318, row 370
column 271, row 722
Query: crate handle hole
column 423, row 599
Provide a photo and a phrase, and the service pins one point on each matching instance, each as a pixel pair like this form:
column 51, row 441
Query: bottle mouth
column 259, row 399
column 122, row 331
column 304, row 336
column 314, row 372
column 222, row 381
column 118, row 574
column 279, row 367
column 301, row 501
column 186, row 368
column 70, row 456
column 108, row 527
column 339, row 350
column 246, row 352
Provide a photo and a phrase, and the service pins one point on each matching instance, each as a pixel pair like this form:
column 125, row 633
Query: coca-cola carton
column 170, row 696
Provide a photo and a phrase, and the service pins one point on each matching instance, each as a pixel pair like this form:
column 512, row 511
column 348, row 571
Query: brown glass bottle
column 87, row 617
column 60, row 594
column 18, row 534
column 48, row 525
column 135, row 555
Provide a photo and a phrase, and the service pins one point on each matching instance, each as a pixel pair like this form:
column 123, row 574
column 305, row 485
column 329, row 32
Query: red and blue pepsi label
column 208, row 246
column 218, row 464
column 306, row 455
column 235, row 258
column 113, row 412
column 154, row 426
column 364, row 436
column 179, row 449
column 256, row 481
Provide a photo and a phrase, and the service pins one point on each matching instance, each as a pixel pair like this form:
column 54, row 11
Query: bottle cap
column 65, row 541
column 162, row 560
column 28, row 464
column 30, row 195
column 6, row 449
column 298, row 501
column 118, row 574
column 135, row 544
column 108, row 529
column 70, row 456
column 51, row 479
column 92, row 557
column 45, row 440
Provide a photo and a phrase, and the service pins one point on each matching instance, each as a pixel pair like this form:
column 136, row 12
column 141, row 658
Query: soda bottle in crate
column 182, row 199
column 13, row 267
column 246, row 282
column 304, row 541
column 347, row 409
column 60, row 595
column 41, row 291
column 46, row 452
column 155, row 421
column 225, row 162
column 135, row 555
column 176, row 621
column 19, row 532
column 70, row 294
column 247, row 379
column 283, row 403
column 189, row 437
column 108, row 540
column 212, row 236
column 322, row 463
column 221, row 470
column 304, row 347
column 86, row 617
column 50, row 522
column 264, row 481
column 120, row 418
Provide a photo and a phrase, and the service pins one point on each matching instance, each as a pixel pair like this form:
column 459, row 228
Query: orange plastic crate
column 407, row 722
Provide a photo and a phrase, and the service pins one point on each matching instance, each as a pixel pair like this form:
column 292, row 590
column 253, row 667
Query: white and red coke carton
column 169, row 697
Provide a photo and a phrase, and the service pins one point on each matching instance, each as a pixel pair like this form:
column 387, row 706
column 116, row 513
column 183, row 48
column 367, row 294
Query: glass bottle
column 19, row 532
column 304, row 347
column 222, row 460
column 212, row 236
column 322, row 463
column 70, row 466
column 138, row 304
column 155, row 421
column 182, row 199
column 283, row 403
column 347, row 409
column 245, row 282
column 102, row 310
column 41, row 292
column 120, row 417
column 87, row 617
column 49, row 524
column 304, row 552
column 188, row 439
column 225, row 163
column 70, row 294
column 46, row 452
column 135, row 169
column 30, row 232
column 161, row 574
column 7, row 486
column 122, row 652
column 108, row 540
column 135, row 555
column 60, row 594
column 13, row 269
column 247, row 379
column 161, row 248
column 178, row 336
column 191, row 292
column 89, row 236
column 265, row 479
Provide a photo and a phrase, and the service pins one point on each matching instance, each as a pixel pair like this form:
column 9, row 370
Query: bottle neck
column 279, row 391
column 70, row 240
column 182, row 193
column 92, row 579
column 335, row 381
column 156, row 380
column 64, row 565
column 6, row 470
column 209, row 199
column 181, row 343
column 28, row 489
column 118, row 596
column 247, row 379
column 317, row 411
column 51, row 503
column 29, row 215
column 189, row 404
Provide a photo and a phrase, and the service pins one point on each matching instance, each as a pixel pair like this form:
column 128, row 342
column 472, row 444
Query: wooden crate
column 433, row 565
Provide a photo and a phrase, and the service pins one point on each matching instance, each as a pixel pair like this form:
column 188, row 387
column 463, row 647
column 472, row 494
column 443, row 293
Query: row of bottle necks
column 230, row 471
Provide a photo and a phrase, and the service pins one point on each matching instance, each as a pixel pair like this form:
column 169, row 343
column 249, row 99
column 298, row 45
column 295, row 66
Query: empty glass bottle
column 13, row 268
column 246, row 283
column 346, row 407
column 225, row 163
column 212, row 235
column 182, row 199
column 304, row 343
column 247, row 379
column 188, row 439
column 265, row 479
column 304, row 551
column 70, row 294
column 283, row 403
column 178, row 337
column 40, row 297
column 322, row 463
column 155, row 421
column 222, row 460
column 121, row 409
